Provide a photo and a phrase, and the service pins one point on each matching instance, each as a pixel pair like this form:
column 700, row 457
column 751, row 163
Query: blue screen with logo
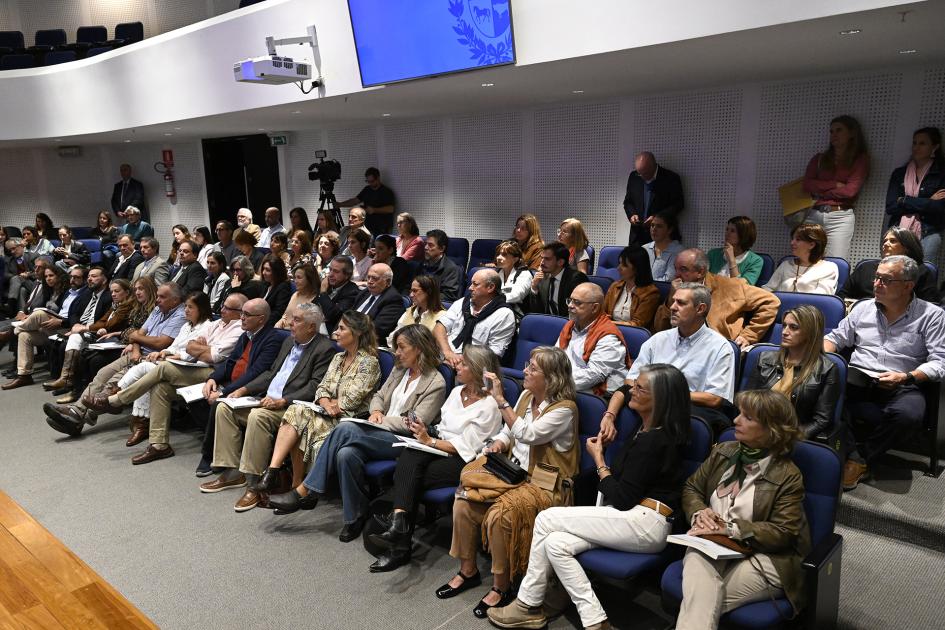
column 408, row 39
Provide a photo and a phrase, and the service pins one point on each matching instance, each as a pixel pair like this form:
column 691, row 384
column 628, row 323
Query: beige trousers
column 252, row 454
column 467, row 526
column 28, row 336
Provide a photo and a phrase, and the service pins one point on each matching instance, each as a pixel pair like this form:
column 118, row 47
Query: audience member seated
column 113, row 320
column 279, row 246
column 415, row 385
column 541, row 431
column 385, row 250
column 527, row 234
column 70, row 252
column 516, row 277
column 47, row 294
column 300, row 250
column 152, row 265
column 633, row 300
column 244, row 223
column 190, row 274
column 107, row 235
column 83, row 304
column 359, row 241
column 298, row 220
column 19, row 273
column 742, row 313
column 306, row 290
column 180, row 234
column 426, row 307
column 380, row 301
column 482, row 318
column 246, row 246
column 44, row 227
column 328, row 246
column 554, row 281
column 217, row 284
column 898, row 241
column 135, row 227
column 124, row 264
column 594, row 345
column 355, row 224
column 273, row 218
column 409, row 243
column 470, row 417
column 278, row 289
column 156, row 334
column 344, row 392
column 243, row 279
column 36, row 244
column 898, row 342
column 203, row 243
column 225, row 244
column 735, row 258
column 378, row 202
column 640, row 493
column 807, row 271
column 651, row 189
column 801, row 371
column 436, row 264
column 571, row 233
column 663, row 247
column 300, row 365
column 769, row 518
column 325, row 223
column 834, row 179
column 702, row 354
column 338, row 293
column 128, row 191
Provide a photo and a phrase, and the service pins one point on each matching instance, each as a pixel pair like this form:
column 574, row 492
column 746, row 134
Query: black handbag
column 505, row 469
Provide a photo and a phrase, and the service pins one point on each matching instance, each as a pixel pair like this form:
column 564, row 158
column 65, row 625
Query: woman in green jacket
column 750, row 491
column 735, row 258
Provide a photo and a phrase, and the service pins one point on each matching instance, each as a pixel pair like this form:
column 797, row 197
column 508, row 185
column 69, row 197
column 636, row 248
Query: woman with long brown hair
column 527, row 233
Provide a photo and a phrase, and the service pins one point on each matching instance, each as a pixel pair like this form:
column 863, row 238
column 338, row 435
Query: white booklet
column 409, row 442
column 188, row 363
column 364, row 421
column 106, row 345
column 243, row 402
column 191, row 392
column 313, row 406
column 709, row 548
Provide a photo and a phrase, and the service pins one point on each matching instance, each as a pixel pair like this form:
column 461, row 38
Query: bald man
column 482, row 318
column 380, row 301
column 651, row 189
column 593, row 343
column 274, row 225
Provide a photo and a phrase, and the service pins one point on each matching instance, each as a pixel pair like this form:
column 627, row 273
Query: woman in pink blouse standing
column 834, row 178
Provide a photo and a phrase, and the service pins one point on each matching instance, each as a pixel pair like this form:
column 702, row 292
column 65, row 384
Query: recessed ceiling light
column 908, row 51
column 386, row 115
column 577, row 91
column 127, row 140
column 852, row 31
column 58, row 140
column 297, row 112
column 260, row 129
column 176, row 128
column 168, row 134
column 488, row 84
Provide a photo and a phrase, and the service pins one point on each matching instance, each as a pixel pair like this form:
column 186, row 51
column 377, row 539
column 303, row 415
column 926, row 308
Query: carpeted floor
column 188, row 561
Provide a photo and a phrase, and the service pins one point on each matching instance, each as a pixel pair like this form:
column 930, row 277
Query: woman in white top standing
column 807, row 271
column 516, row 277
column 664, row 247
column 358, row 243
column 426, row 306
column 470, row 417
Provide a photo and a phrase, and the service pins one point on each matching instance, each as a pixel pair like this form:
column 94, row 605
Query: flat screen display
column 398, row 40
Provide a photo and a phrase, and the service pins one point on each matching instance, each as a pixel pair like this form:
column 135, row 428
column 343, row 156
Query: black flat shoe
column 505, row 598
column 446, row 591
column 351, row 530
column 390, row 561
column 292, row 501
column 268, row 481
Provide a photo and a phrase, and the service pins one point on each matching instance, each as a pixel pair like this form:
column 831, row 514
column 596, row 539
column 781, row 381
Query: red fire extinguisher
column 169, row 184
column 166, row 166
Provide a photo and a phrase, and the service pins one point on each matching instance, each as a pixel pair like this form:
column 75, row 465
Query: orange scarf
column 601, row 327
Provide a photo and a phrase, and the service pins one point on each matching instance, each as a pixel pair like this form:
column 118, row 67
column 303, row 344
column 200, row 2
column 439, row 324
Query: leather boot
column 398, row 534
column 139, row 431
column 65, row 375
column 268, row 481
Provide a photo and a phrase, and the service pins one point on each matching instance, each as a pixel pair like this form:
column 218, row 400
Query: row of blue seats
column 50, row 46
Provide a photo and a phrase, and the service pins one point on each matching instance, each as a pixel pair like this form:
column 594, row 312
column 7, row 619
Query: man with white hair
column 593, row 343
column 136, row 227
column 380, row 301
column 244, row 222
column 274, row 225
column 482, row 318
column 299, row 367
column 356, row 217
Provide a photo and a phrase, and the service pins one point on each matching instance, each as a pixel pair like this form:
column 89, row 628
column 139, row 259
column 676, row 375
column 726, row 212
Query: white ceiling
column 800, row 49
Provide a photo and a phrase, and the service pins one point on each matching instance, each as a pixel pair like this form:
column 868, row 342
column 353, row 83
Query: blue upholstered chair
column 458, row 251
column 127, row 33
column 11, row 42
column 55, row 57
column 602, row 281
column 386, row 360
column 607, row 265
column 87, row 37
column 534, row 331
column 663, row 287
column 17, row 62
column 46, row 40
column 591, row 254
column 97, row 50
column 767, row 269
column 483, row 251
column 590, row 412
column 831, row 306
column 821, row 468
column 470, row 274
column 634, row 337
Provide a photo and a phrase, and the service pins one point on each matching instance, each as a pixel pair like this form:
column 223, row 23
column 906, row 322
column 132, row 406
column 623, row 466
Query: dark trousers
column 639, row 234
column 418, row 472
column 880, row 417
column 202, row 412
column 90, row 362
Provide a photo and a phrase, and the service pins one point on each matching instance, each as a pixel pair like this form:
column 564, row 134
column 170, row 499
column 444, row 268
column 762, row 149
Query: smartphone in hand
column 487, row 383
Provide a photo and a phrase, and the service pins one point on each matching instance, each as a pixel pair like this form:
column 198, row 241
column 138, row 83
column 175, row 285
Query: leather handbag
column 505, row 469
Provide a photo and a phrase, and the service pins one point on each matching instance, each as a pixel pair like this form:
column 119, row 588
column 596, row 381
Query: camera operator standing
column 377, row 201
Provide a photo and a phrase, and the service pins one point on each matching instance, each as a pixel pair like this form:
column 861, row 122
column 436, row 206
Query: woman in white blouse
column 807, row 271
column 358, row 243
column 470, row 417
column 426, row 306
column 516, row 277
column 217, row 280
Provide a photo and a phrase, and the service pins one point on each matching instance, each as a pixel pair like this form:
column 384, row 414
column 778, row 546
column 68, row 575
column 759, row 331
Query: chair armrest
column 822, row 572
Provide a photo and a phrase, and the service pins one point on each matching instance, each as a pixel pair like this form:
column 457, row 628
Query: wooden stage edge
column 44, row 585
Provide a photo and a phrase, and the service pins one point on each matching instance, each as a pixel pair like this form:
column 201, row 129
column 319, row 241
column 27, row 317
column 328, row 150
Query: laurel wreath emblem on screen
column 491, row 19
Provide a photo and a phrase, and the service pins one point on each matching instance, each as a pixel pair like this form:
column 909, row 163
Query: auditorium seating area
column 50, row 47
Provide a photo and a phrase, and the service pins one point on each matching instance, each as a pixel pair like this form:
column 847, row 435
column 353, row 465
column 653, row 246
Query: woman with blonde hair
column 571, row 233
column 806, row 271
column 527, row 234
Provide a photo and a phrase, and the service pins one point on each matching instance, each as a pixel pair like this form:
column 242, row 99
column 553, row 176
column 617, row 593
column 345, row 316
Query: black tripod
column 327, row 201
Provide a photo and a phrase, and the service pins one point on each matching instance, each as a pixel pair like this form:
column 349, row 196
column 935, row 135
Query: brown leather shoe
column 67, row 399
column 59, row 383
column 248, row 501
column 100, row 404
column 139, row 431
column 853, row 473
column 21, row 380
column 219, row 484
column 151, row 454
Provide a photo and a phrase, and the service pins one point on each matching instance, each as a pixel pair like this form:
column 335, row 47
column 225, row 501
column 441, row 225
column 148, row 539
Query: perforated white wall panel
column 356, row 149
column 34, row 16
column 171, row 15
column 576, row 150
column 488, row 186
column 19, row 188
column 414, row 165
column 6, row 17
column 299, row 153
column 113, row 13
column 697, row 136
column 74, row 187
column 794, row 120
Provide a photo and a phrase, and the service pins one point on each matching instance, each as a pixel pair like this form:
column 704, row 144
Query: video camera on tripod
column 327, row 172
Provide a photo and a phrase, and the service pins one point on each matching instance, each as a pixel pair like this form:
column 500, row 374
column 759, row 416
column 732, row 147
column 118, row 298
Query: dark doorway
column 241, row 172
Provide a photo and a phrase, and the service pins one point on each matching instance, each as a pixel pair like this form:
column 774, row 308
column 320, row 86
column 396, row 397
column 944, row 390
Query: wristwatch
column 910, row 378
column 504, row 405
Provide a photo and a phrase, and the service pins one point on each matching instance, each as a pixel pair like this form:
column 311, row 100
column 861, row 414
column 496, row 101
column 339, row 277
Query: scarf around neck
column 740, row 460
column 470, row 321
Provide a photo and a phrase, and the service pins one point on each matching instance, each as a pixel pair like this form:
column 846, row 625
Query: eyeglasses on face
column 886, row 280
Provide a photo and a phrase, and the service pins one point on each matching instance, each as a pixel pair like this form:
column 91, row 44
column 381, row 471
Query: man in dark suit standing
column 651, row 189
column 380, row 301
column 338, row 293
column 191, row 274
column 127, row 260
column 129, row 192
column 554, row 281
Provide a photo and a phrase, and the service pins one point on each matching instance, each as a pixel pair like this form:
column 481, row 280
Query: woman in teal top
column 735, row 259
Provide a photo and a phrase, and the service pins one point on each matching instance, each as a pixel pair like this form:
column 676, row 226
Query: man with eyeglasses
column 593, row 343
column 705, row 358
column 377, row 201
column 225, row 244
column 19, row 274
column 380, row 301
column 244, row 223
column 338, row 292
column 898, row 342
column 482, row 318
column 153, row 266
column 742, row 313
column 136, row 228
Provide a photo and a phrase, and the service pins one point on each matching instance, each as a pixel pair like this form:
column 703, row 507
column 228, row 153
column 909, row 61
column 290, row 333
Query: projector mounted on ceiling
column 273, row 69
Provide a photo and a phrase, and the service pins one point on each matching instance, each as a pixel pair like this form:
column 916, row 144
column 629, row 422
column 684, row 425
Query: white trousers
column 76, row 342
column 141, row 407
column 561, row 533
column 839, row 226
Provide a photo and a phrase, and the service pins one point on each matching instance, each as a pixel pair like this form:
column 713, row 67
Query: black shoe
column 59, row 420
column 446, row 591
column 62, row 391
column 203, row 468
column 72, row 430
column 268, row 481
column 351, row 530
column 292, row 501
column 398, row 534
column 389, row 561
column 505, row 598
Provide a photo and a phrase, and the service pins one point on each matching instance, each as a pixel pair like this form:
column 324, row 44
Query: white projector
column 271, row 70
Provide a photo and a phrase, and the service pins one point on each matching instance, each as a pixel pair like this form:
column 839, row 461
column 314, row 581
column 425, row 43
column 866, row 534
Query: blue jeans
column 348, row 447
column 931, row 245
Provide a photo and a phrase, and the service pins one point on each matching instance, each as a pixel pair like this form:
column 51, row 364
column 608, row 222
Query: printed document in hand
column 709, row 548
column 189, row 363
column 243, row 402
column 363, row 421
column 313, row 406
column 409, row 442
column 191, row 392
column 106, row 345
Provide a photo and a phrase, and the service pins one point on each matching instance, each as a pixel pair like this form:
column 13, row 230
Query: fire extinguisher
column 166, row 166
column 169, row 184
